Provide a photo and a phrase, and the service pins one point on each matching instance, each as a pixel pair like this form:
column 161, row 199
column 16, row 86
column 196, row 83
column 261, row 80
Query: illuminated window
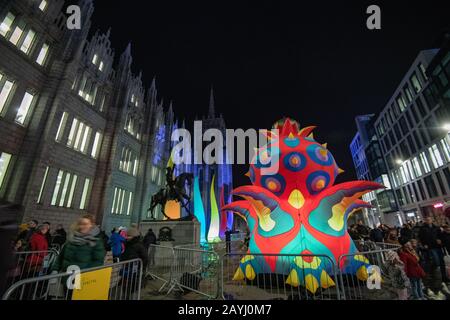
column 95, row 59
column 79, row 136
column 72, row 190
column 43, row 54
column 43, row 5
column 6, row 24
column 57, row 187
column 446, row 148
column 5, row 90
column 101, row 66
column 102, row 103
column 28, row 41
column 436, row 157
column 136, row 165
column 130, row 203
column 84, row 195
column 5, row 159
column 62, row 124
column 41, row 191
column 425, row 164
column 17, row 34
column 24, row 108
column 416, row 167
column 415, row 83
column 96, row 145
column 64, row 189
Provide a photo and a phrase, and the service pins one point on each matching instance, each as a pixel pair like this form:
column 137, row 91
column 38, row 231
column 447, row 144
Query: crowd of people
column 424, row 247
column 85, row 246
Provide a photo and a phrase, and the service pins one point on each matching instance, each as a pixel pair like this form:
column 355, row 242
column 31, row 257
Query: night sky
column 316, row 61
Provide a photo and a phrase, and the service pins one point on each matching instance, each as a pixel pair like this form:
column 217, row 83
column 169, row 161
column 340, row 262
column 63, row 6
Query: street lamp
column 446, row 127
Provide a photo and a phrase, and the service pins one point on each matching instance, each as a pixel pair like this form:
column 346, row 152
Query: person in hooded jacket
column 116, row 242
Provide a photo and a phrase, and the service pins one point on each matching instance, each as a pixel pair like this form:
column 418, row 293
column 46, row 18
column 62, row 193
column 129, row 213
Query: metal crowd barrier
column 250, row 277
column 30, row 264
column 365, row 246
column 186, row 269
column 124, row 284
column 352, row 288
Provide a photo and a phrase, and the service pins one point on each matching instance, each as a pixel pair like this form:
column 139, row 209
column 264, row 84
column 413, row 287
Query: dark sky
column 316, row 61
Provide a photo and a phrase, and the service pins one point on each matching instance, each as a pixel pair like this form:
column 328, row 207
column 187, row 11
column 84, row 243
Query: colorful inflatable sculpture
column 297, row 210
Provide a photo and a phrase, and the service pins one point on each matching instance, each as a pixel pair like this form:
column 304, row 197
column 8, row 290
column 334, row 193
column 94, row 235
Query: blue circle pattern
column 312, row 179
column 313, row 153
column 278, row 179
column 301, row 162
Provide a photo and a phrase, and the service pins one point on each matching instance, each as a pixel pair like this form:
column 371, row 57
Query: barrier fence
column 117, row 281
column 211, row 272
column 277, row 277
column 30, row 264
column 185, row 269
column 365, row 246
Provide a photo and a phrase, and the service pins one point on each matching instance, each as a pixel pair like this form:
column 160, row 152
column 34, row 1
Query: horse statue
column 175, row 189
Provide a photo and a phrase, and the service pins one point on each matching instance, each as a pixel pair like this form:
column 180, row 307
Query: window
column 446, row 148
column 130, row 201
column 5, row 159
column 423, row 71
column 84, row 195
column 24, row 107
column 440, row 182
column 102, row 103
column 5, row 90
column 72, row 190
column 436, row 157
column 401, row 102
column 62, row 199
column 128, row 161
column 43, row 5
column 425, row 164
column 64, row 189
column 41, row 191
column 101, row 66
column 416, row 167
column 408, row 93
column 421, row 107
column 6, row 24
column 415, row 83
column 17, row 34
column 88, row 90
column 96, row 145
column 57, row 187
column 431, row 187
column 42, row 57
column 62, row 125
column 122, row 202
column 79, row 135
column 95, row 59
column 28, row 42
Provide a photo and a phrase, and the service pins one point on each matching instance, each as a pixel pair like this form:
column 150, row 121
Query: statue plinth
column 182, row 232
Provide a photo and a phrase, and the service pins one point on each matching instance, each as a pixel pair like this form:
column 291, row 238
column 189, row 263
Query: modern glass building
column 413, row 130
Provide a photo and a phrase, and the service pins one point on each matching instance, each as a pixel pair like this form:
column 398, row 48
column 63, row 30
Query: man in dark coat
column 149, row 238
column 430, row 236
column 377, row 234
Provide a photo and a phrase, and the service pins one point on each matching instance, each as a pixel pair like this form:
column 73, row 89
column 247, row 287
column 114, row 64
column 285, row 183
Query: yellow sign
column 94, row 285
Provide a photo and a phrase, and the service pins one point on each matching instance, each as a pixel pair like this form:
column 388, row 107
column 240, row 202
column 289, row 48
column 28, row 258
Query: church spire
column 211, row 111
